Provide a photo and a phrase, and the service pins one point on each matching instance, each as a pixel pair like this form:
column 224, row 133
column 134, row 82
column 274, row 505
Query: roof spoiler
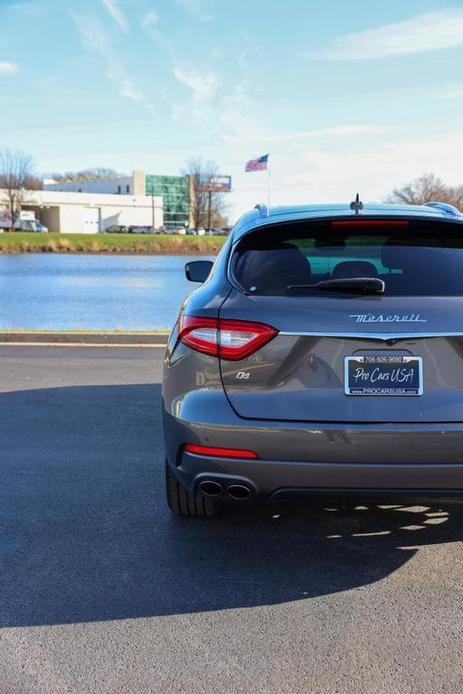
column 444, row 207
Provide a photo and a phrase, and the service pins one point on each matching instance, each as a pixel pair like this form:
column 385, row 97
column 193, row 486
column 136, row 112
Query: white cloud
column 241, row 131
column 245, row 130
column 116, row 13
column 429, row 31
column 378, row 169
column 313, row 173
column 164, row 42
column 236, row 97
column 335, row 131
column 127, row 89
column 92, row 36
column 95, row 40
column 197, row 8
column 203, row 85
column 149, row 19
column 124, row 85
column 8, row 68
column 190, row 113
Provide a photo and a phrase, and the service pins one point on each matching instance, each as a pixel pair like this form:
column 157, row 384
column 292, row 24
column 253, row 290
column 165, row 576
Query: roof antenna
column 356, row 204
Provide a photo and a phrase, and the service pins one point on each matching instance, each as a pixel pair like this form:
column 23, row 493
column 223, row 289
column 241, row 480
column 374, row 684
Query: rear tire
column 184, row 503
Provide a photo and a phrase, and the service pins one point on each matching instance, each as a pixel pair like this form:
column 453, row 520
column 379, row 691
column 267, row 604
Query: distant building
column 90, row 212
column 174, row 190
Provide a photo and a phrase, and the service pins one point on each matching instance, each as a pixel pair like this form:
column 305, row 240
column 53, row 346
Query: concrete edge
column 25, row 337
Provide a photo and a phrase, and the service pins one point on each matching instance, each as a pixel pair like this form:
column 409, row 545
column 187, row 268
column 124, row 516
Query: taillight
column 219, row 452
column 239, row 339
column 227, row 339
column 200, row 334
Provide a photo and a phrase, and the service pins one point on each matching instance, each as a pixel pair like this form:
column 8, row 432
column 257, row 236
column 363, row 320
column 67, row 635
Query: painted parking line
column 82, row 344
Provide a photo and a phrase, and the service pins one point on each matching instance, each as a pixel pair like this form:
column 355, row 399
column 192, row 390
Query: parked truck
column 25, row 222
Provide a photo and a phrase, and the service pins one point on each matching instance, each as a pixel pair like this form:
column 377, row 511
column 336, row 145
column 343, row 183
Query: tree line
column 18, row 177
column 426, row 188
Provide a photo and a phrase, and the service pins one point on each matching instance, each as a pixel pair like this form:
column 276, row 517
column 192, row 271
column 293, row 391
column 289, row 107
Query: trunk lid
column 300, row 374
column 284, row 275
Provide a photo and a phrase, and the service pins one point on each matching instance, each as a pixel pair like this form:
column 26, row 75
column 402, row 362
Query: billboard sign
column 213, row 184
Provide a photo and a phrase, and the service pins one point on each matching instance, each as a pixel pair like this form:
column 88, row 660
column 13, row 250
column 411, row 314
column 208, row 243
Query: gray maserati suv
column 322, row 353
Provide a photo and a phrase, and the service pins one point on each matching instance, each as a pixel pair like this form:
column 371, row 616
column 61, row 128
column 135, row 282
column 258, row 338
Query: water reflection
column 91, row 291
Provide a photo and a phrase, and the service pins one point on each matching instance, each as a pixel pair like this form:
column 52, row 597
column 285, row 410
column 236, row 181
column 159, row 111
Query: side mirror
column 198, row 270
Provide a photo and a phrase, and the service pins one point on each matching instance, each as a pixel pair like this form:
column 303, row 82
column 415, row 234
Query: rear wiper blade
column 360, row 285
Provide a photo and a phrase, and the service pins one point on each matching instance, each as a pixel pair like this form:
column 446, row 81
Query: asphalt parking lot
column 101, row 590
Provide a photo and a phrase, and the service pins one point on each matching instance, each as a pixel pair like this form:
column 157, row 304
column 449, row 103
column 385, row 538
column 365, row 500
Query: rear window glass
column 413, row 259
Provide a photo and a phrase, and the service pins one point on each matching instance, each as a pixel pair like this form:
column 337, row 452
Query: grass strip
column 78, row 331
column 159, row 244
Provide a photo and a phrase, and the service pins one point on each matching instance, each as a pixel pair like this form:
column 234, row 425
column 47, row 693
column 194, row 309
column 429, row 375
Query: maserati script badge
column 388, row 318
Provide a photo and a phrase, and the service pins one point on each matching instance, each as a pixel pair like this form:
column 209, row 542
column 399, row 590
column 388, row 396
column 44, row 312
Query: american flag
column 259, row 164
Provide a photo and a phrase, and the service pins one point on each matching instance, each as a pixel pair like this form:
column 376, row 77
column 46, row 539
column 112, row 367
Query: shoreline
column 147, row 338
column 187, row 252
column 109, row 244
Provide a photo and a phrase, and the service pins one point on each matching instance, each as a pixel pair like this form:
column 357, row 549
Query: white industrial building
column 117, row 185
column 175, row 191
column 91, row 213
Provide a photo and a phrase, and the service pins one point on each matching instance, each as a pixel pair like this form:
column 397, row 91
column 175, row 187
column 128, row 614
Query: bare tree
column 16, row 171
column 34, row 183
column 426, row 188
column 198, row 169
column 94, row 174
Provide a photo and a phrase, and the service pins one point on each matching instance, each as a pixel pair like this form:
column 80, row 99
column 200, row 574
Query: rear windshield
column 412, row 258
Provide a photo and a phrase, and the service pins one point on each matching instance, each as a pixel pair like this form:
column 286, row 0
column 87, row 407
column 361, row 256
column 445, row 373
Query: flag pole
column 268, row 183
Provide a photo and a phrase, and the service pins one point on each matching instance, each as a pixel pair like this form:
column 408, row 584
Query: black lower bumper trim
column 386, row 495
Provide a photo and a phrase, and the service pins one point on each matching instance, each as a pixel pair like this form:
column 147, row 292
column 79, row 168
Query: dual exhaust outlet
column 238, row 492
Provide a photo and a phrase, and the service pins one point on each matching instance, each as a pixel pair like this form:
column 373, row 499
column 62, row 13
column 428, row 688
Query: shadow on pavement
column 86, row 535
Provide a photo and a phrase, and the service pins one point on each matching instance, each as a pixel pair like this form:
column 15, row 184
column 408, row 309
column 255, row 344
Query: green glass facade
column 175, row 193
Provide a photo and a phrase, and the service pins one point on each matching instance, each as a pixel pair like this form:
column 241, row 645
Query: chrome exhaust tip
column 238, row 492
column 210, row 488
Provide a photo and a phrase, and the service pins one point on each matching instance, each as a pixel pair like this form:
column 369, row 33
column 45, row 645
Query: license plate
column 383, row 375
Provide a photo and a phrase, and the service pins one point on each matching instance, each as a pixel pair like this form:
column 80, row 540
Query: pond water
column 91, row 291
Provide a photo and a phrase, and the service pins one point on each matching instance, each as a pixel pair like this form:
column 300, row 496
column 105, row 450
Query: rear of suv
column 323, row 354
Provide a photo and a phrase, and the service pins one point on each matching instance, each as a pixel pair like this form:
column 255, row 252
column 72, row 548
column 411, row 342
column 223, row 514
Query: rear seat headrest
column 354, row 268
column 274, row 266
column 393, row 255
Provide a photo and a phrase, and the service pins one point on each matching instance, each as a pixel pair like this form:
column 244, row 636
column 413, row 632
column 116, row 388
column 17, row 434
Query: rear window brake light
column 377, row 223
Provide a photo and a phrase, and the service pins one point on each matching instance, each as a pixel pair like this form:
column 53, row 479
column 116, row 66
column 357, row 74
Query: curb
column 82, row 338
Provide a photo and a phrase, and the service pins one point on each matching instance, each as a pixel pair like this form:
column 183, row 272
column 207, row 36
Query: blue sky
column 345, row 96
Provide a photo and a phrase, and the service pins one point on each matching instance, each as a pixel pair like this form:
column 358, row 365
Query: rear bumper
column 281, row 478
column 304, row 457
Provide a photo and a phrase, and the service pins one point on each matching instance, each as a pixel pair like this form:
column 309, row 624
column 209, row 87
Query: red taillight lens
column 239, row 339
column 200, row 334
column 219, row 452
column 227, row 339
